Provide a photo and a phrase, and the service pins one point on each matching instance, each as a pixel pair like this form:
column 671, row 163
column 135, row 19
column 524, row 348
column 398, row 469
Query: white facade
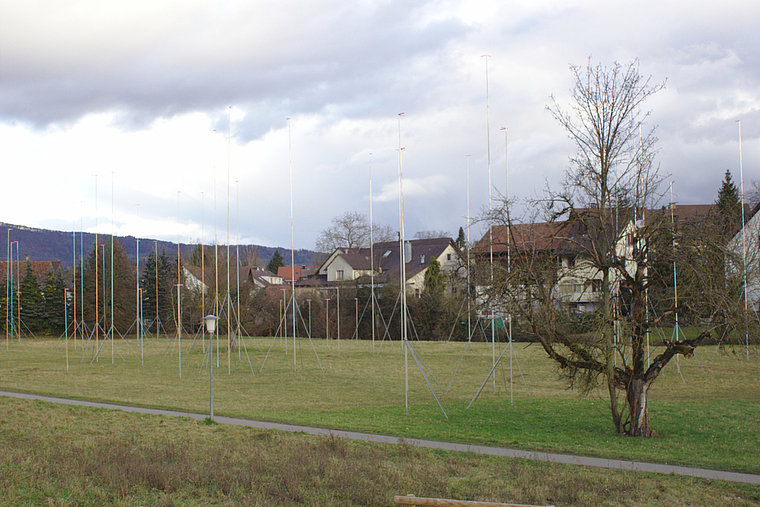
column 744, row 251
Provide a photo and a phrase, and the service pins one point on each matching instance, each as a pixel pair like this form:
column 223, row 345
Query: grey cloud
column 345, row 62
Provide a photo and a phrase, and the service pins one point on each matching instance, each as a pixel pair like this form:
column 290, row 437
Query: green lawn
column 709, row 419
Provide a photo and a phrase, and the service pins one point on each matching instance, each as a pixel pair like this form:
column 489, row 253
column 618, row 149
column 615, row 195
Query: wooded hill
column 48, row 245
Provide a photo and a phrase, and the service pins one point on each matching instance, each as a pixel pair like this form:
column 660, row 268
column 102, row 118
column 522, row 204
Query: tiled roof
column 286, row 272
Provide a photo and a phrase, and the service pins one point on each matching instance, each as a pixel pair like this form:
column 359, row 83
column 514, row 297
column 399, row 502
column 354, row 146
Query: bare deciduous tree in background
column 351, row 230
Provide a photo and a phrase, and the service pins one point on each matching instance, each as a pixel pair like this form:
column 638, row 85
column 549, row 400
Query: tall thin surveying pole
column 97, row 278
column 216, row 272
column 8, row 292
column 490, row 227
column 74, row 285
column 138, row 320
column 66, row 323
column 371, row 255
column 179, row 294
column 81, row 269
column 229, row 303
column 238, row 335
column 402, row 259
column 675, row 272
column 744, row 241
column 203, row 267
column 158, row 319
column 469, row 296
column 111, row 328
column 509, row 260
column 292, row 252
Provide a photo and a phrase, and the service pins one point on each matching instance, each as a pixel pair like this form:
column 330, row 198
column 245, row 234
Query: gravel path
column 480, row 449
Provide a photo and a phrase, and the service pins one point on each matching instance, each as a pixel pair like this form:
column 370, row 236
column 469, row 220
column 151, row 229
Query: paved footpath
column 367, row 437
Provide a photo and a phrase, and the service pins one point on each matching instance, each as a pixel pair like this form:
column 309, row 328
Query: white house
column 744, row 252
column 349, row 264
column 568, row 243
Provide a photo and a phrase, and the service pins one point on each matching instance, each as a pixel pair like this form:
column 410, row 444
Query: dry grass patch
column 61, row 455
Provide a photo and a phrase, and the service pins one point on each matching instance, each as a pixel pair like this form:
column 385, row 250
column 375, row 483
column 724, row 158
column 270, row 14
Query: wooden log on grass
column 444, row 502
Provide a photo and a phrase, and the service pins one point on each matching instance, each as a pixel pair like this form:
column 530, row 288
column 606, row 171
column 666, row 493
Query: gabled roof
column 262, row 277
column 571, row 236
column 387, row 258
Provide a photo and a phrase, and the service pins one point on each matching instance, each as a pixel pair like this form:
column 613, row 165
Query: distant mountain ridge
column 49, row 245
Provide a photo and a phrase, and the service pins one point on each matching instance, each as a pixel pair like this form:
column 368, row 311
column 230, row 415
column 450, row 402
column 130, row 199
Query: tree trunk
column 609, row 353
column 637, row 393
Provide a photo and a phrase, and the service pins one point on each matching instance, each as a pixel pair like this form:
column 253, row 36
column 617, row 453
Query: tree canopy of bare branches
column 351, row 230
column 602, row 237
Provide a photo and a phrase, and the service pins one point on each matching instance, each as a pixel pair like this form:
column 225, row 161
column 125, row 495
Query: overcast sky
column 139, row 94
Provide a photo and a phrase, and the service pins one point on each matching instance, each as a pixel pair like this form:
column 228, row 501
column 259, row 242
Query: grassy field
column 58, row 455
column 708, row 419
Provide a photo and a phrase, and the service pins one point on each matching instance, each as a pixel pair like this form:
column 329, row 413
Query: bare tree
column 599, row 238
column 609, row 164
column 753, row 194
column 351, row 230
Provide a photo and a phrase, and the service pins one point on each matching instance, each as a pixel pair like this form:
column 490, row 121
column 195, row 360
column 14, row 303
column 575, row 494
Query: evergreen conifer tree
column 276, row 262
column 461, row 239
column 32, row 302
column 158, row 279
column 729, row 207
column 123, row 311
column 55, row 304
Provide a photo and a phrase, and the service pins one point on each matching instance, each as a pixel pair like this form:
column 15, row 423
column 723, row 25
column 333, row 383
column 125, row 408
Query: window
column 448, row 257
column 339, row 274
